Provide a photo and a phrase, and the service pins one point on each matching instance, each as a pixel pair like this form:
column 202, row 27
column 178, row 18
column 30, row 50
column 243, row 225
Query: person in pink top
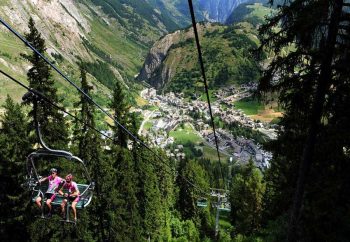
column 72, row 195
column 54, row 182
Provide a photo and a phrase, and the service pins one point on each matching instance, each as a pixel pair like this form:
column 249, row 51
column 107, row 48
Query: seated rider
column 54, row 182
column 72, row 195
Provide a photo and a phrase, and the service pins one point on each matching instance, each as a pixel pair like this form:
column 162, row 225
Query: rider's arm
column 60, row 191
column 43, row 179
column 76, row 192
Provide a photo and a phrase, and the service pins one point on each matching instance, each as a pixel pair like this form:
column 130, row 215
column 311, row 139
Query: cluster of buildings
column 242, row 149
column 173, row 110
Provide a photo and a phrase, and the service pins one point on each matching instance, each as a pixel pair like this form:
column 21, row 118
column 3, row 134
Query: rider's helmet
column 53, row 170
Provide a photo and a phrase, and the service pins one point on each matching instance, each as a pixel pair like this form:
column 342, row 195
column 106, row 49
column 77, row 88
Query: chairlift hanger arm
column 36, row 99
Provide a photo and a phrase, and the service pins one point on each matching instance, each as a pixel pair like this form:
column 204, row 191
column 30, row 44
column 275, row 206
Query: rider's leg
column 48, row 203
column 63, row 206
column 38, row 201
column 74, row 204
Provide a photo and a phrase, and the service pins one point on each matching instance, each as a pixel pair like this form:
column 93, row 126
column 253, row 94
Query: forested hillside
column 227, row 56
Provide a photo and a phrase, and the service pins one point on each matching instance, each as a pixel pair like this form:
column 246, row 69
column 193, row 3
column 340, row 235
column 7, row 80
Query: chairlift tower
column 221, row 205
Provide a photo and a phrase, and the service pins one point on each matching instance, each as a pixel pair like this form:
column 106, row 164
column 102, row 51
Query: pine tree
column 84, row 133
column 165, row 180
column 14, row 147
column 120, row 106
column 148, row 194
column 39, row 77
column 124, row 218
column 311, row 80
column 246, row 195
column 188, row 194
column 89, row 145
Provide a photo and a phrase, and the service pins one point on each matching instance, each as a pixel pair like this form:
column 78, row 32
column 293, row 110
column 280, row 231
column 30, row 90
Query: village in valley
column 170, row 113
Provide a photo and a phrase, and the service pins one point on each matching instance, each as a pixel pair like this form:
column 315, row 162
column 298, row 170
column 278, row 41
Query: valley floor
column 173, row 122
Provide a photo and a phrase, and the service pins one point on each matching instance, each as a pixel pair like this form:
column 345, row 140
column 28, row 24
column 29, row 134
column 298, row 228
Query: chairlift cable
column 200, row 58
column 35, row 92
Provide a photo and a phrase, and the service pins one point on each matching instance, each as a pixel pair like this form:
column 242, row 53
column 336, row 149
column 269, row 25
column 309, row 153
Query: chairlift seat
column 202, row 203
column 84, row 200
column 225, row 209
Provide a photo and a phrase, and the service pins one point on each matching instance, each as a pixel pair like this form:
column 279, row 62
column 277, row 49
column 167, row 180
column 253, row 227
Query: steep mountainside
column 172, row 64
column 113, row 36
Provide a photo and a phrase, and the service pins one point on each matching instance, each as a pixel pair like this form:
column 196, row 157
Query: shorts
column 50, row 196
column 74, row 199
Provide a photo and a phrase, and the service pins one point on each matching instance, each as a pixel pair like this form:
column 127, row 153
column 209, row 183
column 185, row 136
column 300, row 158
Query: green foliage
column 249, row 106
column 54, row 230
column 84, row 134
column 247, row 189
column 102, row 72
column 88, row 143
column 184, row 230
column 39, row 77
column 129, row 13
column 124, row 217
column 14, row 147
column 58, row 57
column 188, row 195
column 226, row 54
column 120, row 106
column 238, row 130
column 149, row 198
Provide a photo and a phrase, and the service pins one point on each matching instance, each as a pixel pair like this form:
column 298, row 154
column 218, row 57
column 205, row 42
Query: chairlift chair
column 32, row 183
column 202, row 202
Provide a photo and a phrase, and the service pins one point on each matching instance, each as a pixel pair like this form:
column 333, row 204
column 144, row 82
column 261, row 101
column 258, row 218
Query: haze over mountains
column 206, row 10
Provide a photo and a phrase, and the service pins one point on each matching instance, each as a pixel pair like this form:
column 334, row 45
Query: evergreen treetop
column 52, row 123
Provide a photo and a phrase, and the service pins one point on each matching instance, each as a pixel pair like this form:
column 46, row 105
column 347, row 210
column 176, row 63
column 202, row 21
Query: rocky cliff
column 155, row 58
column 158, row 68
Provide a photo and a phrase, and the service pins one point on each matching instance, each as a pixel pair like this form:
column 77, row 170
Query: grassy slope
column 186, row 134
column 126, row 53
column 189, row 135
column 10, row 53
column 258, row 110
column 12, row 63
column 249, row 107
